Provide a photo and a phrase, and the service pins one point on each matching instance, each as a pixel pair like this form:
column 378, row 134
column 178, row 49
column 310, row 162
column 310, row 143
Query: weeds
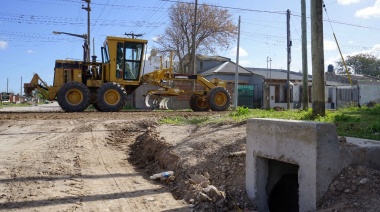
column 351, row 121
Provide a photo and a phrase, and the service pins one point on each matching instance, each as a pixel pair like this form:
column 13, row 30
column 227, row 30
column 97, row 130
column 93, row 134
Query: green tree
column 215, row 29
column 366, row 64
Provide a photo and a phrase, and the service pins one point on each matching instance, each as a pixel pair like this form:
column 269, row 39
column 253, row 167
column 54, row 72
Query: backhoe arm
column 36, row 83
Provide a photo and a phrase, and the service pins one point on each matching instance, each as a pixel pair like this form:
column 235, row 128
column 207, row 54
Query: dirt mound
column 209, row 169
column 357, row 188
column 208, row 163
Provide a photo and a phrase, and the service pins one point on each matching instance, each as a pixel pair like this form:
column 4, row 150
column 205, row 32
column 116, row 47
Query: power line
column 232, row 8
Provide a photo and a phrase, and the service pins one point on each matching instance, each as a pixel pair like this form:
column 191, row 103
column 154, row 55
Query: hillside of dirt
column 91, row 161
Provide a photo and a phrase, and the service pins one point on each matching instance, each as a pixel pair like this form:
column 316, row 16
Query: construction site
column 88, row 147
column 91, row 161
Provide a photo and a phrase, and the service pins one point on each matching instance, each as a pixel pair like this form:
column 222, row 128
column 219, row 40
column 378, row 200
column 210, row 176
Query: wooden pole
column 305, row 90
column 317, row 57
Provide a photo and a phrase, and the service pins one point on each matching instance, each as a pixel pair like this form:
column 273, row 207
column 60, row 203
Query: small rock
column 332, row 187
column 204, row 184
column 149, row 199
column 198, row 178
column 206, row 174
column 347, row 190
column 342, row 139
column 363, row 181
column 339, row 186
column 203, row 197
column 170, row 179
column 362, row 170
column 191, row 201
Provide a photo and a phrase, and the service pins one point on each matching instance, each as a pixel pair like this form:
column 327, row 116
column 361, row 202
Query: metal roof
column 226, row 68
column 278, row 74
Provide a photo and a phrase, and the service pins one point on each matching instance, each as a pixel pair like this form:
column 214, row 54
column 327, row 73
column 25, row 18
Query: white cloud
column 348, row 2
column 155, row 38
column 3, row 44
column 242, row 52
column 369, row 12
column 329, row 45
column 351, row 42
column 245, row 63
column 375, row 50
column 30, row 51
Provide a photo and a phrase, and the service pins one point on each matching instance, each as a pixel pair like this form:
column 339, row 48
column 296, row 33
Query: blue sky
column 27, row 44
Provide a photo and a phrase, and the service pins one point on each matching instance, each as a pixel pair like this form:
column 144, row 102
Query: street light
column 84, row 36
column 86, row 56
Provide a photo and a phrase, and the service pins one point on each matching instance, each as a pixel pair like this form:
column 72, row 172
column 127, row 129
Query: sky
column 28, row 46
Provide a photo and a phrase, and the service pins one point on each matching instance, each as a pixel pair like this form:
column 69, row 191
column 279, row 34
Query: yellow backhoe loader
column 105, row 85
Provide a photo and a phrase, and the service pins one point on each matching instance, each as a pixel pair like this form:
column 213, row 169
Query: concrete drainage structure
column 284, row 157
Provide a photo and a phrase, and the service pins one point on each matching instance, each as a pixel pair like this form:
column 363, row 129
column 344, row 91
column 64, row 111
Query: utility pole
column 133, row 35
column 236, row 93
column 193, row 47
column 268, row 79
column 289, row 44
column 317, row 57
column 7, row 84
column 305, row 79
column 20, row 88
column 88, row 9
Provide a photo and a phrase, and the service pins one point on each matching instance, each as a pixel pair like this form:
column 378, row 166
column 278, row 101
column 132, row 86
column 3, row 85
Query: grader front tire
column 73, row 97
column 219, row 99
column 199, row 103
column 111, row 97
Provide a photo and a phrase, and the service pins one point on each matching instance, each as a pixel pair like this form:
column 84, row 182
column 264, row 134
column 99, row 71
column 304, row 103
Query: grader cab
column 105, row 85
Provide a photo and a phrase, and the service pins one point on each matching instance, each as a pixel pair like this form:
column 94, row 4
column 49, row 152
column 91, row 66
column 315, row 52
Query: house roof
column 213, row 58
column 360, row 77
column 278, row 74
column 226, row 68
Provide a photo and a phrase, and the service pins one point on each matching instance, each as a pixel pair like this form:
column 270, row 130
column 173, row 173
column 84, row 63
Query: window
column 201, row 65
column 105, row 57
column 128, row 61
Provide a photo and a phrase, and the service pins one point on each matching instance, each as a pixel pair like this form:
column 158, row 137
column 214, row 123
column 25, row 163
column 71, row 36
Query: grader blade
column 163, row 104
column 149, row 102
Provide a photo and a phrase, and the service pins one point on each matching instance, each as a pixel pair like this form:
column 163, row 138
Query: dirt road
column 65, row 162
column 91, row 161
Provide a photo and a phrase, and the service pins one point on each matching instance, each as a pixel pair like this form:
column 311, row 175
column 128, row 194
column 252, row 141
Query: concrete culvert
column 284, row 195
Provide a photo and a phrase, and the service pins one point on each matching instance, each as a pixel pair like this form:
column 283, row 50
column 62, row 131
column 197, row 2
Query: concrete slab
column 363, row 142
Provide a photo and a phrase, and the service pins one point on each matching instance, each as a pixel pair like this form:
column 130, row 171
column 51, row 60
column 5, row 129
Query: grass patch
column 351, row 121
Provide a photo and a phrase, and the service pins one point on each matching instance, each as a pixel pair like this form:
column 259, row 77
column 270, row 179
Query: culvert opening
column 282, row 187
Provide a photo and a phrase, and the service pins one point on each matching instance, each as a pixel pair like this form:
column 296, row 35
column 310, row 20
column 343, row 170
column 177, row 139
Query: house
column 275, row 87
column 362, row 90
column 250, row 85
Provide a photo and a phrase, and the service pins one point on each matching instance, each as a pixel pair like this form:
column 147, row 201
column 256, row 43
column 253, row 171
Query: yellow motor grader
column 105, row 85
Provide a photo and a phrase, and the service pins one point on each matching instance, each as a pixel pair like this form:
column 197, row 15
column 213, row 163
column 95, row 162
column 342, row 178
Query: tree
column 215, row 28
column 366, row 64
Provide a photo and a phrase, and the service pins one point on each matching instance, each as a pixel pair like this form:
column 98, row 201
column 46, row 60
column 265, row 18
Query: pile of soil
column 209, row 169
column 208, row 163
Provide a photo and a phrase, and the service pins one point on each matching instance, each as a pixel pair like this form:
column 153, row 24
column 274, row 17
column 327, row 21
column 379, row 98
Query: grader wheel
column 219, row 99
column 199, row 103
column 111, row 97
column 73, row 97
